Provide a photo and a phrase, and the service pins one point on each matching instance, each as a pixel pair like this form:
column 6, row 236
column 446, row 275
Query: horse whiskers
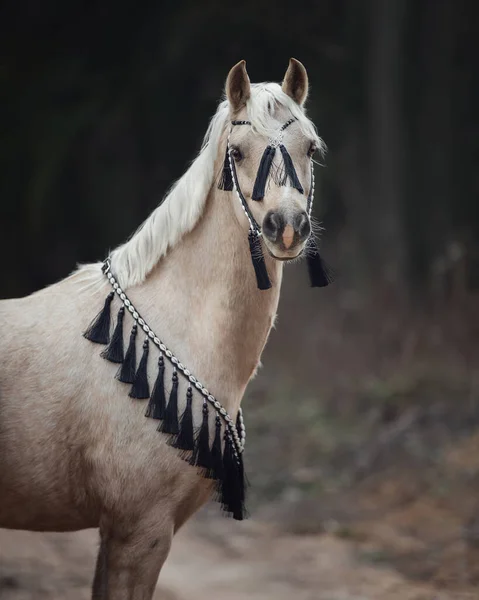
column 316, row 162
column 316, row 226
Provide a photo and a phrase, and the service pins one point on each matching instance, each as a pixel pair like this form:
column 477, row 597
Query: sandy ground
column 213, row 558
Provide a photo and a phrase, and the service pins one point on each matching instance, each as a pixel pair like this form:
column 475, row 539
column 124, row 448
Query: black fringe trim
column 127, row 371
column 202, row 454
column 170, row 422
column 320, row 274
column 257, row 257
column 233, row 483
column 114, row 352
column 99, row 329
column 140, row 388
column 157, row 405
column 185, row 439
column 225, row 466
column 290, row 171
column 216, row 452
column 263, row 173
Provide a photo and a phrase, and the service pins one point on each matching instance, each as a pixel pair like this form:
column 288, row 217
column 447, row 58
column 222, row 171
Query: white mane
column 183, row 204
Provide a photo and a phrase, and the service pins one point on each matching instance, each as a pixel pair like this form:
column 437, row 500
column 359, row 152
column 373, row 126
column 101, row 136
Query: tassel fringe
column 225, row 466
column 263, row 173
column 140, row 388
column 233, row 484
column 157, row 405
column 202, row 454
column 216, row 453
column 99, row 329
column 185, row 440
column 262, row 277
column 290, row 171
column 114, row 352
column 320, row 274
column 170, row 422
column 127, row 371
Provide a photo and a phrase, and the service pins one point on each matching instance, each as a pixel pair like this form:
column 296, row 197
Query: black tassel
column 257, row 258
column 241, row 485
column 320, row 274
column 233, row 486
column 157, row 404
column 140, row 388
column 227, row 492
column 290, row 171
column 185, row 440
column 202, row 454
column 114, row 352
column 127, row 371
column 216, row 453
column 99, row 329
column 170, row 422
column 226, row 181
column 263, row 173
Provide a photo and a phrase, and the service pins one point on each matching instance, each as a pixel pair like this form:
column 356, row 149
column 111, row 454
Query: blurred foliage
column 104, row 105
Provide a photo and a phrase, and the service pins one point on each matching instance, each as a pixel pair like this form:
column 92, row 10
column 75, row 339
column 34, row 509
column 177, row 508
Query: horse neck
column 202, row 299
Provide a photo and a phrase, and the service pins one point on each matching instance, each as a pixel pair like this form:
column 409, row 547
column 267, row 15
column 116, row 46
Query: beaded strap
column 239, row 437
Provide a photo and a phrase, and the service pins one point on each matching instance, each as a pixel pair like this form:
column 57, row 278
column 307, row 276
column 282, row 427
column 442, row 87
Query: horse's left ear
column 295, row 82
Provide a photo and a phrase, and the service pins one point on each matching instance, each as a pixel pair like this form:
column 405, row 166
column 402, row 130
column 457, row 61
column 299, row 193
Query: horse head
column 268, row 158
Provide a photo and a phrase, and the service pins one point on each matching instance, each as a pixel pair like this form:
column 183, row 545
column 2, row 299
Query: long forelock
column 183, row 205
column 263, row 104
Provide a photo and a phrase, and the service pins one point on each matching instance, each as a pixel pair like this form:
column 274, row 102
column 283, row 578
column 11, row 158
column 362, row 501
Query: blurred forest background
column 364, row 423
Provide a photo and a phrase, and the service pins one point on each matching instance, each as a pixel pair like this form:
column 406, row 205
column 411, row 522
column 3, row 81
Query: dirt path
column 212, row 558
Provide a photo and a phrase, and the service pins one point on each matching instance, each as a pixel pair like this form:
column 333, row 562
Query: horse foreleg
column 128, row 564
column 99, row 581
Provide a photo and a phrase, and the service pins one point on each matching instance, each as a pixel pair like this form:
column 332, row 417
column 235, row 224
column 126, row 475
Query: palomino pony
column 75, row 450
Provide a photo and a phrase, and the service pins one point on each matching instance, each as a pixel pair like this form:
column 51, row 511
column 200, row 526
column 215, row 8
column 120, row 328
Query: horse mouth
column 285, row 258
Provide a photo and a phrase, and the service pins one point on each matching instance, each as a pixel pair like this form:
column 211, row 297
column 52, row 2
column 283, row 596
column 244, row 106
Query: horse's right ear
column 238, row 88
column 295, row 82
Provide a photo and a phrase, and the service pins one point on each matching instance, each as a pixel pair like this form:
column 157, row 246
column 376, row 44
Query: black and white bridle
column 319, row 273
column 262, row 174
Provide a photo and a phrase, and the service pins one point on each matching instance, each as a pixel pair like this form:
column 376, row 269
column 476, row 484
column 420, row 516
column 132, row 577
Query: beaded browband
column 222, row 461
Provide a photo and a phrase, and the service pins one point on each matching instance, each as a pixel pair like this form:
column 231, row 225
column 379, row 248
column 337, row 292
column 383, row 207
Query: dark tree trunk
column 429, row 212
column 386, row 139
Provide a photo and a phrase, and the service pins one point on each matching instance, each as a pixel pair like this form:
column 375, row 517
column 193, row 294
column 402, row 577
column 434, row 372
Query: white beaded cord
column 311, row 194
column 235, row 187
column 177, row 365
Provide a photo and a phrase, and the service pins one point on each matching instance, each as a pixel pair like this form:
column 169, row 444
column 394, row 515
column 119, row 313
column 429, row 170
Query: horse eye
column 312, row 150
column 236, row 153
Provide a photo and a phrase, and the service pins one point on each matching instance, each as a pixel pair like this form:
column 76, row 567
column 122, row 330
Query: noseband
column 319, row 273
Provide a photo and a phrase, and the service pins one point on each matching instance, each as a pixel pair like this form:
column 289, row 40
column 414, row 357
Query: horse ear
column 295, row 82
column 238, row 87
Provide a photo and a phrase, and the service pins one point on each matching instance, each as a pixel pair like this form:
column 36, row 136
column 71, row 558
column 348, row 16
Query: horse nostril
column 272, row 225
column 302, row 226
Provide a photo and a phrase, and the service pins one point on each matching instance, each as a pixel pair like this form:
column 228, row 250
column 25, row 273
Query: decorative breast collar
column 222, row 461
